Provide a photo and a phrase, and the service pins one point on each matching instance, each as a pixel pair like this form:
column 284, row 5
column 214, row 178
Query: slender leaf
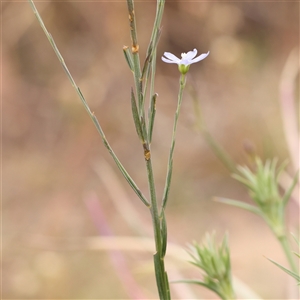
column 167, row 184
column 136, row 118
column 202, row 284
column 294, row 275
column 144, row 130
column 128, row 57
column 91, row 114
column 296, row 240
column 239, row 204
column 163, row 233
column 150, row 51
column 168, row 295
column 152, row 111
column 288, row 193
column 159, row 274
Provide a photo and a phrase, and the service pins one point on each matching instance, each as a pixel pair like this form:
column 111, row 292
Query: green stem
column 154, row 208
column 227, row 291
column 217, row 149
column 170, row 161
column 159, row 263
column 286, row 248
column 277, row 224
column 159, row 232
column 135, row 56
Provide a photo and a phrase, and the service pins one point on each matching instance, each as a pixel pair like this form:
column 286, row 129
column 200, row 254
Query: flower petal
column 172, row 57
column 200, row 57
column 190, row 55
column 166, row 60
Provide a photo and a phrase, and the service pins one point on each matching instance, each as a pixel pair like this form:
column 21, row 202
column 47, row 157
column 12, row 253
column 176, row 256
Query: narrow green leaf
column 202, row 284
column 163, row 233
column 297, row 254
column 239, row 204
column 296, row 240
column 128, row 57
column 288, row 193
column 167, row 287
column 147, row 60
column 144, row 129
column 90, row 113
column 281, row 168
column 151, row 49
column 243, row 180
column 159, row 274
column 294, row 275
column 167, row 185
column 152, row 111
column 136, row 118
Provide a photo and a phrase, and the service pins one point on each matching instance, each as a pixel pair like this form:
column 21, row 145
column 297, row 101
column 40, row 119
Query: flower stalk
column 182, row 83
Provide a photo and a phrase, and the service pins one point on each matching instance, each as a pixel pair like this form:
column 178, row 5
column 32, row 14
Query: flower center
column 183, row 55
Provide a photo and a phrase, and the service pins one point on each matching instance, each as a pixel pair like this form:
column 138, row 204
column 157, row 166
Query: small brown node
column 146, row 151
column 147, row 154
column 135, row 48
column 125, row 47
column 130, row 17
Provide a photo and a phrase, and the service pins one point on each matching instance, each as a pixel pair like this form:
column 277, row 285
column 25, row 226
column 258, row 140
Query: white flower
column 186, row 59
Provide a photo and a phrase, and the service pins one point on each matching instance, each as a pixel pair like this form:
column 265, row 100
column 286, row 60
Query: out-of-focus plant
column 214, row 262
column 263, row 188
column 291, row 273
column 201, row 127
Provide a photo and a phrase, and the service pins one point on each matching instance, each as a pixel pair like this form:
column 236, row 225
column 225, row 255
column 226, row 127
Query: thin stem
column 149, row 68
column 217, row 149
column 182, row 83
column 288, row 253
column 154, row 39
column 154, row 208
column 136, row 56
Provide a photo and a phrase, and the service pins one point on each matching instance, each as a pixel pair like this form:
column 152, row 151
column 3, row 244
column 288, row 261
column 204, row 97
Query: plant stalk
column 182, row 83
column 288, row 253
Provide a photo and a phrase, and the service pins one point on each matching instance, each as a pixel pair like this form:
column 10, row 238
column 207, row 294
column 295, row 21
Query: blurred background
column 66, row 209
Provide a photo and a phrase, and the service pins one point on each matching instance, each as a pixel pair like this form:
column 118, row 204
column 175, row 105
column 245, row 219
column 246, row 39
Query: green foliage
column 263, row 188
column 295, row 275
column 262, row 185
column 214, row 262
